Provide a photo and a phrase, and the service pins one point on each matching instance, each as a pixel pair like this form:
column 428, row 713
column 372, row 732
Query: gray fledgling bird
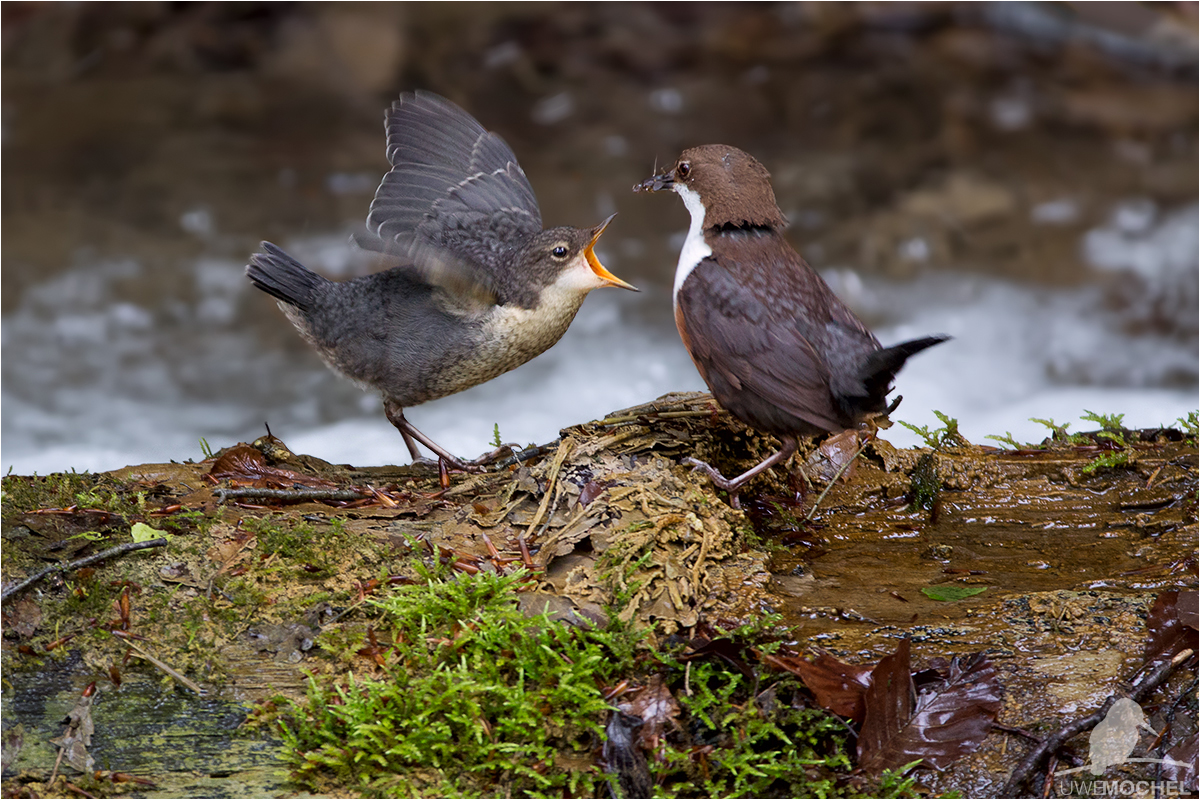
column 480, row 288
column 775, row 345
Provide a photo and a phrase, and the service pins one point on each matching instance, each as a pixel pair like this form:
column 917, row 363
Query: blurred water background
column 1022, row 176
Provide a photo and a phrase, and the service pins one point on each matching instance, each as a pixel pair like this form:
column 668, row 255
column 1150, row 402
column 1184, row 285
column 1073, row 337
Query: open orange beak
column 597, row 267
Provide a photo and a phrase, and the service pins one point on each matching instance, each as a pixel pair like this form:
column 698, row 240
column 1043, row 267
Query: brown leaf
column 591, row 490
column 23, row 617
column 77, row 738
column 1188, row 612
column 837, row 686
column 949, row 719
column 244, row 464
column 1168, row 633
column 14, row 740
column 889, row 706
column 658, row 709
column 1181, row 765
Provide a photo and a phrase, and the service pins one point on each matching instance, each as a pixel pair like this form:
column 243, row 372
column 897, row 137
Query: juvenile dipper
column 479, row 289
column 774, row 344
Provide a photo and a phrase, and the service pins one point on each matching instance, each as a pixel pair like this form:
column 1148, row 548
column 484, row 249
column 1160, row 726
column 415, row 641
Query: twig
column 181, row 678
column 625, row 418
column 837, row 477
column 119, row 550
column 292, row 495
column 1069, row 731
column 564, row 450
column 525, row 455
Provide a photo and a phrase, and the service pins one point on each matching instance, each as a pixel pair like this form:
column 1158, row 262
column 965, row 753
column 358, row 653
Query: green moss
column 475, row 698
column 302, row 547
column 1111, row 460
column 926, row 486
column 758, row 749
column 1190, row 425
column 938, row 438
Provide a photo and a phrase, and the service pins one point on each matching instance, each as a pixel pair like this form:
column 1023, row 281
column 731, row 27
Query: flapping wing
column 455, row 200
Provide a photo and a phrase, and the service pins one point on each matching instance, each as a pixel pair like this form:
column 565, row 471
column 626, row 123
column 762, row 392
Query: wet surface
column 1069, row 555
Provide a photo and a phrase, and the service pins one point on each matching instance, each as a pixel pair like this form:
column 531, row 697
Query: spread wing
column 456, row 203
column 762, row 351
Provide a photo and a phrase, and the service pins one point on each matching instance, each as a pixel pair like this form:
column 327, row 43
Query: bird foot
column 719, row 480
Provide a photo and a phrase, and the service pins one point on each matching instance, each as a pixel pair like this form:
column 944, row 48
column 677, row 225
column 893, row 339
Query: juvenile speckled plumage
column 479, row 290
column 775, row 345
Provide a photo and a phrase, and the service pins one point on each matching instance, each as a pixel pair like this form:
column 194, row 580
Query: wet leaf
column 1169, row 632
column 948, row 720
column 889, row 707
column 1188, row 612
column 726, row 649
column 1180, row 763
column 657, row 708
column 837, row 686
column 244, row 464
column 951, row 593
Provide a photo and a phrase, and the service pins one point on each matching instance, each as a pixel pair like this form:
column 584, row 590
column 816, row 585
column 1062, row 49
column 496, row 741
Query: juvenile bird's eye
column 559, row 252
column 684, row 169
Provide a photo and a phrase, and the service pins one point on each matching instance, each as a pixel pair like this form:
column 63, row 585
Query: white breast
column 694, row 249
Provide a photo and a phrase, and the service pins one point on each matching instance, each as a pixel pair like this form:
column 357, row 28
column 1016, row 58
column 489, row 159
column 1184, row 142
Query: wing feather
column 456, row 204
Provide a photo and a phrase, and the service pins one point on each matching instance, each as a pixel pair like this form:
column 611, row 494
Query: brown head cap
column 734, row 187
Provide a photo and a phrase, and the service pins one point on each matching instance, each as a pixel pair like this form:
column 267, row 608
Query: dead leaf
column 14, row 740
column 949, row 719
column 658, row 709
column 1169, row 634
column 23, row 617
column 245, row 465
column 1180, row 763
column 837, row 686
column 77, row 738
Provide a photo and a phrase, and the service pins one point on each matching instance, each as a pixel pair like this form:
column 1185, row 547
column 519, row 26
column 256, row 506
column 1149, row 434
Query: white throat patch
column 694, row 249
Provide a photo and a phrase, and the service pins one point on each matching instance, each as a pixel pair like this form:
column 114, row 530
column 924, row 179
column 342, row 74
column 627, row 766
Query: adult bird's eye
column 684, row 169
column 559, row 252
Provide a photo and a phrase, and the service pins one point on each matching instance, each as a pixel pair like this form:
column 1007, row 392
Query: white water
column 95, row 382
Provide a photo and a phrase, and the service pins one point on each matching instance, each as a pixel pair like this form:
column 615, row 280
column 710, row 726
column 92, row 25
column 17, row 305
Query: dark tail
column 882, row 365
column 283, row 277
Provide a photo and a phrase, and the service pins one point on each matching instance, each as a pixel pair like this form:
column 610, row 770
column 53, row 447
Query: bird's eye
column 684, row 169
column 559, row 252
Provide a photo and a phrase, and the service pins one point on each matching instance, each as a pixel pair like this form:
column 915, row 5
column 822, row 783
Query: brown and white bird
column 774, row 344
column 479, row 288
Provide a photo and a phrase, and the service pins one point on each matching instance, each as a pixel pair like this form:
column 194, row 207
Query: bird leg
column 721, row 482
column 395, row 415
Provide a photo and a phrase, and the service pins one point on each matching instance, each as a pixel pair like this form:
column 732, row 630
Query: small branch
column 119, row 550
column 812, row 511
column 564, row 450
column 1143, row 689
column 525, row 455
column 292, row 495
column 179, row 677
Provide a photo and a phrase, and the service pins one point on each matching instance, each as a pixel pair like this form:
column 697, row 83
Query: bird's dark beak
column 655, row 184
column 597, row 267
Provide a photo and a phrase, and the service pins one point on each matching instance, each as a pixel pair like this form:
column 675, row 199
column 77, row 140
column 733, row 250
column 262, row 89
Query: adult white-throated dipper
column 480, row 288
column 775, row 345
